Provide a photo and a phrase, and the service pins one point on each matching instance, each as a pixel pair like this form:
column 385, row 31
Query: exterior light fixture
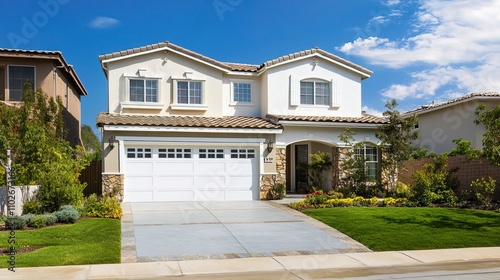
column 269, row 145
column 112, row 141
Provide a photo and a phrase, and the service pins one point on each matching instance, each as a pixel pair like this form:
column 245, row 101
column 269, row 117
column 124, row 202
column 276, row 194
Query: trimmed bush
column 32, row 207
column 67, row 214
column 277, row 191
column 17, row 222
column 37, row 221
column 484, row 190
column 106, row 207
column 50, row 219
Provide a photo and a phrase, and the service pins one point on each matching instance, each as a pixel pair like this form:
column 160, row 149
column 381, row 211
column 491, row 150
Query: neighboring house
column 441, row 123
column 49, row 71
column 182, row 126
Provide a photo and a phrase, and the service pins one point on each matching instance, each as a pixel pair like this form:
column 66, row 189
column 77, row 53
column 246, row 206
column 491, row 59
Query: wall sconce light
column 269, row 145
column 112, row 140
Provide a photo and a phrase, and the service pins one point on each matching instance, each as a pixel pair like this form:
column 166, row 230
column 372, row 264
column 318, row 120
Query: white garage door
column 190, row 173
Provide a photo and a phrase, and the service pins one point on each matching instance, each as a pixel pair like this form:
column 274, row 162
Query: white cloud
column 371, row 111
column 390, row 2
column 103, row 22
column 453, row 31
column 379, row 19
column 457, row 41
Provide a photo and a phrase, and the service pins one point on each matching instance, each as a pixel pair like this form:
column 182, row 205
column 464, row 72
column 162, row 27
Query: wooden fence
column 92, row 175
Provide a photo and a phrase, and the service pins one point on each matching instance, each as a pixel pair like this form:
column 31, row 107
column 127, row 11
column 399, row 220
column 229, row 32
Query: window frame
column 145, row 80
column 374, row 161
column 211, row 153
column 139, row 153
column 315, row 96
column 7, row 96
column 233, row 101
column 176, row 92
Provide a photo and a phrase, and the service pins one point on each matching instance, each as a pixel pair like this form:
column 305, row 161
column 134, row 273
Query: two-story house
column 440, row 123
column 49, row 71
column 183, row 126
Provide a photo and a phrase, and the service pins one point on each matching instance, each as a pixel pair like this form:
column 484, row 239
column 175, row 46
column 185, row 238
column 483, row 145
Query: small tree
column 91, row 143
column 353, row 168
column 491, row 138
column 396, row 141
column 484, row 190
column 464, row 148
column 34, row 132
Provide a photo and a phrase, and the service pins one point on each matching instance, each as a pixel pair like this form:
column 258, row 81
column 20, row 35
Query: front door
column 301, row 172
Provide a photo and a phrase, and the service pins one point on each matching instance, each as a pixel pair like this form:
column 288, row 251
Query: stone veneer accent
column 268, row 181
column 112, row 185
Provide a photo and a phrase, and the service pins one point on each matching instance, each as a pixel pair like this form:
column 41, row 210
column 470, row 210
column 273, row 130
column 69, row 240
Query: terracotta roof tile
column 364, row 119
column 186, row 121
column 237, row 66
column 474, row 95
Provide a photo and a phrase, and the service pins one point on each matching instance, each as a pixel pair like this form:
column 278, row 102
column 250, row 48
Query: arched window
column 370, row 154
column 315, row 92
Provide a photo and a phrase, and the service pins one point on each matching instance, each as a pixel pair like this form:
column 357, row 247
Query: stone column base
column 112, row 186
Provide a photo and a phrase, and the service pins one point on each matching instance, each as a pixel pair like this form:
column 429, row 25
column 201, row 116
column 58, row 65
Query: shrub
column 301, row 205
column 50, row 219
column 484, row 190
column 402, row 190
column 37, row 221
column 17, row 222
column 374, row 201
column 389, row 201
column 277, row 191
column 316, row 198
column 32, row 207
column 434, row 184
column 335, row 194
column 106, row 207
column 67, row 214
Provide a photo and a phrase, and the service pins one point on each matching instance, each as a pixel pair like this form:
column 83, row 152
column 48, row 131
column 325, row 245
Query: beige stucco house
column 49, row 71
column 183, row 126
column 441, row 123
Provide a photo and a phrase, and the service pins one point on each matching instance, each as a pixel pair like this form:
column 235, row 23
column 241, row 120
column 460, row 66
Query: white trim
column 329, row 124
column 139, row 128
column 312, row 55
column 140, row 105
column 188, row 107
column 166, row 48
column 231, row 92
column 243, row 73
column 188, row 141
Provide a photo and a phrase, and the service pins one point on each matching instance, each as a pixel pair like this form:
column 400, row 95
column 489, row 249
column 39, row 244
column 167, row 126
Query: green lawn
column 387, row 229
column 89, row 241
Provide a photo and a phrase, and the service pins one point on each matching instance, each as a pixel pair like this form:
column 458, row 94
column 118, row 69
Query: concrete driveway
column 166, row 231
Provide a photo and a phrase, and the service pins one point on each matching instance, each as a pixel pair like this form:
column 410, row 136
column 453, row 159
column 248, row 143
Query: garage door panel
column 209, row 167
column 171, row 176
column 140, row 168
column 138, row 196
column 174, row 168
column 174, row 195
column 139, row 182
column 210, row 195
column 240, row 168
column 164, row 183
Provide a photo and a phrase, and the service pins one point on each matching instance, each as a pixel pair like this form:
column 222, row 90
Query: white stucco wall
column 439, row 128
column 346, row 88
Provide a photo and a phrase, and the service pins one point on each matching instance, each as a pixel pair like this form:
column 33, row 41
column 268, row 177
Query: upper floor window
column 18, row 75
column 369, row 154
column 142, row 90
column 242, row 92
column 314, row 93
column 189, row 92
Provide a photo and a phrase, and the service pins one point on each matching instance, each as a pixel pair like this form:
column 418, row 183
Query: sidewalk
column 286, row 267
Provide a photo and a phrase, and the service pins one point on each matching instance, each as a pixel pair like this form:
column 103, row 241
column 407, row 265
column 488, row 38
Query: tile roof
column 186, row 121
column 367, row 119
column 42, row 54
column 475, row 95
column 237, row 66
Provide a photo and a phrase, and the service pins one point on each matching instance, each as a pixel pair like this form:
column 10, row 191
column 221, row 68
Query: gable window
column 18, row 75
column 143, row 90
column 369, row 154
column 242, row 92
column 189, row 92
column 314, row 93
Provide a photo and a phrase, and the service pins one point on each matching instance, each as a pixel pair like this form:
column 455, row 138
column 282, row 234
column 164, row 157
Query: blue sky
column 420, row 50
